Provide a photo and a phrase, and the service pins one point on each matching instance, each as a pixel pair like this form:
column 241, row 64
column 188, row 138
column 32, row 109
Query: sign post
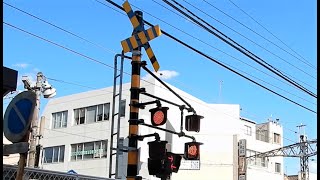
column 16, row 123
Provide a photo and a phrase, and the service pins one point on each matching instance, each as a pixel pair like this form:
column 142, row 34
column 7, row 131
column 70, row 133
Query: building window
column 122, row 108
column 256, row 161
column 247, row 130
column 92, row 114
column 262, row 135
column 89, row 150
column 278, row 167
column 59, row 119
column 276, row 138
column 54, row 154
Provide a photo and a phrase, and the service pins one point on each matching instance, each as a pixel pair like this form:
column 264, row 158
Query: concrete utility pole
column 41, row 87
column 35, row 122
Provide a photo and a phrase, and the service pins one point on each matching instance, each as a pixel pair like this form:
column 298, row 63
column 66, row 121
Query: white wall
column 220, row 130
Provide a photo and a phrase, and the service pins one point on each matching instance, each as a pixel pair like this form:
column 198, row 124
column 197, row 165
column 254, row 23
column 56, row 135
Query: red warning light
column 158, row 116
column 192, row 151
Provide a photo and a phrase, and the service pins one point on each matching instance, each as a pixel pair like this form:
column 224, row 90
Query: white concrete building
column 77, row 135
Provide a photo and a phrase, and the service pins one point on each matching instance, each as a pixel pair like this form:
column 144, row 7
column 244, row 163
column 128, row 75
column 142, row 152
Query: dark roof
column 244, row 119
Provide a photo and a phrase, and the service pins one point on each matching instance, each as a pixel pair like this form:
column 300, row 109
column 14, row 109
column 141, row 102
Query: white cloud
column 21, row 65
column 165, row 74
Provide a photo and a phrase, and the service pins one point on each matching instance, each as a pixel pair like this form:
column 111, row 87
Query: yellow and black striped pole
column 133, row 158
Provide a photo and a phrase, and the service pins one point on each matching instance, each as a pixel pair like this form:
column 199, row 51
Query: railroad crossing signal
column 192, row 150
column 141, row 38
column 158, row 116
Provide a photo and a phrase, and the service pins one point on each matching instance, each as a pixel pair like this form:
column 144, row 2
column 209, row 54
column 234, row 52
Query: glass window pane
column 98, row 150
column 76, row 116
column 61, row 155
column 48, row 155
column 106, row 111
column 82, row 115
column 80, row 152
column 105, row 147
column 100, row 112
column 55, row 154
column 91, row 114
column 64, row 119
column 88, row 150
column 73, row 152
column 122, row 108
column 59, row 119
column 54, row 117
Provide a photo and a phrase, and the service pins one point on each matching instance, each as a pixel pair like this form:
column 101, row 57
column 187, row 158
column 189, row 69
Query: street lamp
column 41, row 87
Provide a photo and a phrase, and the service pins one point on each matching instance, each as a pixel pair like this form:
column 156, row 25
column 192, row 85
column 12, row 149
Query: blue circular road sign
column 18, row 116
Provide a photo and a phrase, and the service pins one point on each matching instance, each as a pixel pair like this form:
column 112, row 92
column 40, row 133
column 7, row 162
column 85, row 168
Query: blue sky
column 293, row 22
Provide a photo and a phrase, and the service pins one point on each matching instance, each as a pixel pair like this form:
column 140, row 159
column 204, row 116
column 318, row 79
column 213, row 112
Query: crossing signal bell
column 192, row 150
column 192, row 122
column 158, row 116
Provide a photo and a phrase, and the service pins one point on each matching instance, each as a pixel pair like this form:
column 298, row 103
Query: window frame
column 276, row 138
column 83, row 113
column 277, row 167
column 63, row 121
column 101, row 152
column 53, row 153
column 246, row 132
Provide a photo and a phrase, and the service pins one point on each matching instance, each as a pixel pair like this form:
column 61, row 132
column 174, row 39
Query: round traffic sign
column 18, row 116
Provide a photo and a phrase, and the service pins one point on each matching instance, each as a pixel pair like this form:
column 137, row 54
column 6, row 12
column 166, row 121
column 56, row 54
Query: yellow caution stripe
column 132, row 17
column 152, row 58
column 140, row 39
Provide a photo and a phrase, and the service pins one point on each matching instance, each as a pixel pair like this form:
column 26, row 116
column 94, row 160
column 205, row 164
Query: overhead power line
column 305, row 62
column 240, row 48
column 262, row 47
column 217, row 62
column 210, row 44
column 109, row 65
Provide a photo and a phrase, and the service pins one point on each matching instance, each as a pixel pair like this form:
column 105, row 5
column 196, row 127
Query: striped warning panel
column 140, row 39
column 132, row 17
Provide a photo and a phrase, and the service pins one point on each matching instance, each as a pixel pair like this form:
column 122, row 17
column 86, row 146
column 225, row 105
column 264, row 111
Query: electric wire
column 113, row 67
column 100, row 45
column 251, row 41
column 62, row 29
column 250, row 29
column 211, row 45
column 199, row 52
column 306, row 62
column 241, row 49
column 76, row 84
column 109, row 66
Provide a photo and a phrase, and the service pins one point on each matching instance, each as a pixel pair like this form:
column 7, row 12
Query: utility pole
column 132, row 168
column 140, row 37
column 34, row 123
column 41, row 87
column 304, row 159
